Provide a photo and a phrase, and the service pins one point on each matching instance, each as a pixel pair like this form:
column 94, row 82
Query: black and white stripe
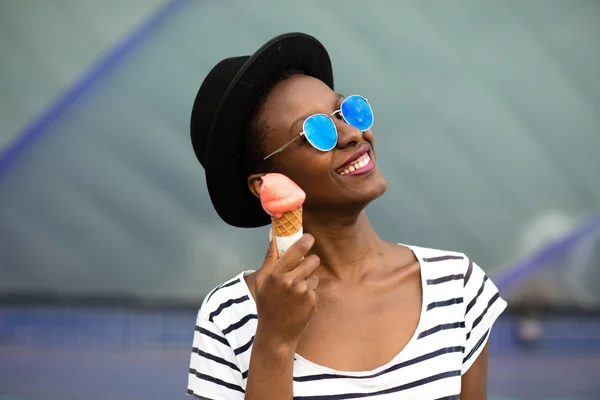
column 393, row 368
column 215, row 359
column 460, row 305
column 469, row 272
column 478, row 320
column 479, row 292
column 240, row 323
column 444, row 279
column 444, row 303
column 227, row 304
column 442, row 258
column 225, row 285
column 211, row 335
column 441, row 327
column 217, row 381
column 395, row 389
column 245, row 347
column 477, row 346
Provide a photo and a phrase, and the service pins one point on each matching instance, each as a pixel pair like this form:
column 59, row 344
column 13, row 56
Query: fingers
column 305, row 269
column 306, row 289
column 272, row 254
column 292, row 257
column 312, row 282
column 305, row 286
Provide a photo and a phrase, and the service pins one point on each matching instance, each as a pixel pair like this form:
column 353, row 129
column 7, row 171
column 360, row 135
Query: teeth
column 358, row 164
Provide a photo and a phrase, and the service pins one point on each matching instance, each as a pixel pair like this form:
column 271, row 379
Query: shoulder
column 226, row 301
column 441, row 267
column 440, row 262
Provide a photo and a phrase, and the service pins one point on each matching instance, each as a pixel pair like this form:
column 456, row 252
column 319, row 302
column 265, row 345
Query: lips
column 356, row 165
column 360, row 153
column 359, row 161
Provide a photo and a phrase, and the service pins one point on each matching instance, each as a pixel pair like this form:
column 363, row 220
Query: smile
column 361, row 166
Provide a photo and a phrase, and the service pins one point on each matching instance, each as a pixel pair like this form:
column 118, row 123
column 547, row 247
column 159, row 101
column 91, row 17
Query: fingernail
column 270, row 234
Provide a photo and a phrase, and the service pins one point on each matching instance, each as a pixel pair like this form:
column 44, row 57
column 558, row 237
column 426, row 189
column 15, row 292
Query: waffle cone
column 289, row 223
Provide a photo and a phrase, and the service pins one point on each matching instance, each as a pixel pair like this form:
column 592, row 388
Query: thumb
column 272, row 252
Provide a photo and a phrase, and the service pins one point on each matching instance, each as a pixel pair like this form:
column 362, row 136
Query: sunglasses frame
column 280, row 149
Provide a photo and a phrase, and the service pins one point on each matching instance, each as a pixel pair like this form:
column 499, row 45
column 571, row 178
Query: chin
column 376, row 188
column 352, row 197
column 370, row 190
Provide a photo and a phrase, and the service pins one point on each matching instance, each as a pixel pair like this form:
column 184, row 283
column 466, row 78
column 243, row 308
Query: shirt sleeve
column 214, row 370
column 483, row 306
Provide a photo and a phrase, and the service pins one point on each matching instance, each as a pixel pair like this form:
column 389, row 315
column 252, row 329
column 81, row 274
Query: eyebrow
column 338, row 98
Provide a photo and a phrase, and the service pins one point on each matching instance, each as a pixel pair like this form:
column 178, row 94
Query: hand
column 286, row 296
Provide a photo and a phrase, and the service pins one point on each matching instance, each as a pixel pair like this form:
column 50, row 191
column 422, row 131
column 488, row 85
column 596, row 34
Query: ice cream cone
column 287, row 229
column 282, row 199
column 289, row 223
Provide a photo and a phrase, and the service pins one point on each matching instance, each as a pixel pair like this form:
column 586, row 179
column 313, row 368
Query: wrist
column 279, row 348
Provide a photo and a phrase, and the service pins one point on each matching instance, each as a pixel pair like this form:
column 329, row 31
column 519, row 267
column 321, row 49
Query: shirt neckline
column 401, row 354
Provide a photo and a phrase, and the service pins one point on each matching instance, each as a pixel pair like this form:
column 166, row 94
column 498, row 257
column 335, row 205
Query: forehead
column 298, row 95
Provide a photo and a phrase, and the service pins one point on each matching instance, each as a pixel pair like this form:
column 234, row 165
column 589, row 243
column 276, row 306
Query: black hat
column 222, row 110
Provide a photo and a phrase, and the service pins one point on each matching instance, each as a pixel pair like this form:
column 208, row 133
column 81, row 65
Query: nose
column 348, row 135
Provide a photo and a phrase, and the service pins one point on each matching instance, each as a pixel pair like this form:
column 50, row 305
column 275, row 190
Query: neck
column 343, row 247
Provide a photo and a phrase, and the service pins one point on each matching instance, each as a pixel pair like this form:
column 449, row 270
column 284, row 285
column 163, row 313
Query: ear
column 254, row 182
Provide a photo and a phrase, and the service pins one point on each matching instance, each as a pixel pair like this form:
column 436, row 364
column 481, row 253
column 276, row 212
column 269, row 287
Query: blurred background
column 487, row 129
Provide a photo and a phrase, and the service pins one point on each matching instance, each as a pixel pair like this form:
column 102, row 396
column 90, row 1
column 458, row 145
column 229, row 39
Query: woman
column 342, row 314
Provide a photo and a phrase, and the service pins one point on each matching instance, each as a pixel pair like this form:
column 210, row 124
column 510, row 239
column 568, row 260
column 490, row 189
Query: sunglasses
column 320, row 130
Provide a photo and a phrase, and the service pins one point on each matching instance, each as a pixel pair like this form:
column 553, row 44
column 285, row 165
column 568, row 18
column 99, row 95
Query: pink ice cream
column 279, row 194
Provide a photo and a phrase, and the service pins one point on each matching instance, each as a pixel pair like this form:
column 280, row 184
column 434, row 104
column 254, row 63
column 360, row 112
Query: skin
column 351, row 289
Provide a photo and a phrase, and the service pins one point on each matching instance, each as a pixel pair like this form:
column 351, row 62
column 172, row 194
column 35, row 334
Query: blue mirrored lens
column 357, row 112
column 320, row 132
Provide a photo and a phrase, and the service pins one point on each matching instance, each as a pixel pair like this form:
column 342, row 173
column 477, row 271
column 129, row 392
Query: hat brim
column 224, row 167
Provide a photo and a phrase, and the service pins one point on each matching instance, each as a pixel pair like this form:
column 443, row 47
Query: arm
column 271, row 371
column 286, row 300
column 474, row 381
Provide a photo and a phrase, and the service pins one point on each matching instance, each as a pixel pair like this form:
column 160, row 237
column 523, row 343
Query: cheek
column 310, row 170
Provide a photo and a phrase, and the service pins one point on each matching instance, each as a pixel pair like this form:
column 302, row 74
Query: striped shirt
column 460, row 305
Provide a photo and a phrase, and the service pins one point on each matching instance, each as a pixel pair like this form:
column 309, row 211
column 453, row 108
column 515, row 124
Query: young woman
column 342, row 314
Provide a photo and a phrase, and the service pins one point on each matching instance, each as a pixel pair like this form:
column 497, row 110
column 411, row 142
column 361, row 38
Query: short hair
column 255, row 135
